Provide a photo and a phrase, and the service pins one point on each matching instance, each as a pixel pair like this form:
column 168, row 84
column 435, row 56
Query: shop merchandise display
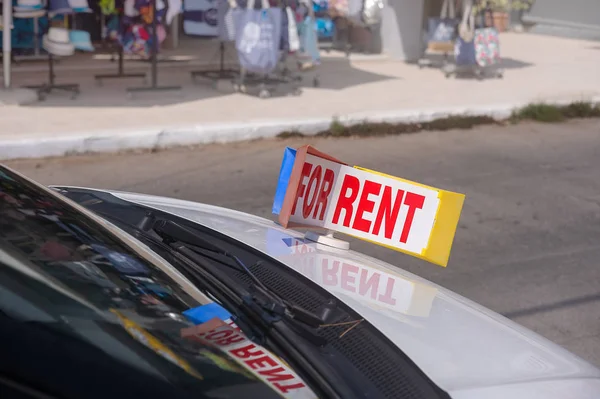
column 112, row 15
column 57, row 42
column 476, row 48
column 144, row 24
column 265, row 36
column 268, row 37
column 67, row 7
column 81, row 40
column 441, row 35
column 29, row 20
column 29, row 9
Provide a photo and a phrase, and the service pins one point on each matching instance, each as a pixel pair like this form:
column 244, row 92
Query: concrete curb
column 145, row 139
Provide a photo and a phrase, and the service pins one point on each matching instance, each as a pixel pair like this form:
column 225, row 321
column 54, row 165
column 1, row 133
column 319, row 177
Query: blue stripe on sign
column 289, row 156
column 204, row 313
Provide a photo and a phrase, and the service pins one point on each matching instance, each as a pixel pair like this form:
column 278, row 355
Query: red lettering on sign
column 261, row 362
column 245, row 352
column 372, row 284
column 232, row 324
column 301, row 187
column 313, row 186
column 347, row 279
column 365, row 205
column 275, row 375
column 219, row 334
column 287, row 388
column 307, row 267
column 230, row 340
column 387, row 297
column 324, row 190
column 330, row 272
column 414, row 202
column 348, row 194
column 385, row 213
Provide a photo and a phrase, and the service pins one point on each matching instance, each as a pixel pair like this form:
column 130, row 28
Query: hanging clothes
column 174, row 8
column 136, row 36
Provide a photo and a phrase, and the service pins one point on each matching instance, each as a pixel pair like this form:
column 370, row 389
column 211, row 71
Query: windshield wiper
column 255, row 320
column 172, row 233
column 190, row 244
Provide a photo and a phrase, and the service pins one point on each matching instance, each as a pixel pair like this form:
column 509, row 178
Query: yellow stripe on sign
column 447, row 215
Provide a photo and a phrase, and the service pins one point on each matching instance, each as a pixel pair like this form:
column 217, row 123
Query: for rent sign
column 323, row 192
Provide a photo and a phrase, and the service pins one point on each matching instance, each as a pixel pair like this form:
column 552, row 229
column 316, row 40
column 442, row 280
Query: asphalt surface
column 528, row 241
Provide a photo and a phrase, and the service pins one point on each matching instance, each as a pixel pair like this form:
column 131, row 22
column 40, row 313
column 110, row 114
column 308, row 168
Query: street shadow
column 511, row 63
column 333, row 73
column 550, row 307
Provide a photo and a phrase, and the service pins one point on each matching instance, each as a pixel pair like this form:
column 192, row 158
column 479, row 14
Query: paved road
column 528, row 241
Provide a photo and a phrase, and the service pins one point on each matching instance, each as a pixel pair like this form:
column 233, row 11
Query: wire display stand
column 154, row 87
column 120, row 65
column 46, row 88
column 220, row 74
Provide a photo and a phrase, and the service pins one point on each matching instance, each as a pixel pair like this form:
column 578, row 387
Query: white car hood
column 469, row 351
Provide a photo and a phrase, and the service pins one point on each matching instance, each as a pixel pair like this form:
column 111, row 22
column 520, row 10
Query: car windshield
column 84, row 315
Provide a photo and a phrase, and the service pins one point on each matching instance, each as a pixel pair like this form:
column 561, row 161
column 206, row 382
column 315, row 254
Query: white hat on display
column 57, row 42
column 29, row 9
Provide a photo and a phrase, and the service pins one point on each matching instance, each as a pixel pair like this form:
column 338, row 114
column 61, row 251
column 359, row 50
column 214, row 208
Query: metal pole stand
column 120, row 72
column 47, row 88
column 219, row 74
column 154, row 71
column 121, row 68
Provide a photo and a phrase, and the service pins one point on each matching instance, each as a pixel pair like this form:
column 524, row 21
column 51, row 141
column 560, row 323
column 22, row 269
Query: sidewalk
column 537, row 68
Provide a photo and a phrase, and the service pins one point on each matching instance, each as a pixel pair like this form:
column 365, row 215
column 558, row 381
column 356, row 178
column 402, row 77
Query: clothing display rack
column 120, row 65
column 281, row 75
column 47, row 88
column 154, row 62
column 221, row 73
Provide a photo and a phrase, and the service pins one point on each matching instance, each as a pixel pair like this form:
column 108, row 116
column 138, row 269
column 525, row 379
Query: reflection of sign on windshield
column 367, row 284
column 254, row 358
column 153, row 343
